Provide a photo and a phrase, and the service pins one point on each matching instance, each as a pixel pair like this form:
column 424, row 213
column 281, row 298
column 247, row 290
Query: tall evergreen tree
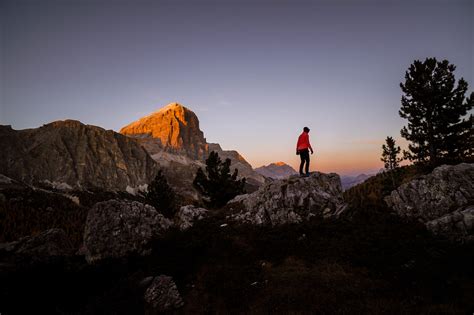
column 390, row 154
column 436, row 109
column 218, row 186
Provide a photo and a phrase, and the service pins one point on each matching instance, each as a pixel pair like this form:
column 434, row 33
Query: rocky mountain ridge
column 75, row 155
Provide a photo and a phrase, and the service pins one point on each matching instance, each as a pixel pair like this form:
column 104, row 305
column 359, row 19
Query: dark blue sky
column 255, row 72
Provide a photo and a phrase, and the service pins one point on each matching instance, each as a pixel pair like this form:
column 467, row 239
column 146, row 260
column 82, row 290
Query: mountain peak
column 276, row 170
column 175, row 127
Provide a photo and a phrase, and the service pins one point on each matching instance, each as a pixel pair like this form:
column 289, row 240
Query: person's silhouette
column 302, row 148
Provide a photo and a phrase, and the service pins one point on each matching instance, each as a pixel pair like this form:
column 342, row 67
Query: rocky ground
column 295, row 246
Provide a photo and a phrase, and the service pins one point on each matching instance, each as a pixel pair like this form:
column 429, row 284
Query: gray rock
column 52, row 242
column 162, row 295
column 116, row 228
column 187, row 215
column 291, row 200
column 458, row 225
column 443, row 200
column 429, row 197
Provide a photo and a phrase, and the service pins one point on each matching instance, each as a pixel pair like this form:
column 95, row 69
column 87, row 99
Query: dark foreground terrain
column 371, row 264
column 370, row 261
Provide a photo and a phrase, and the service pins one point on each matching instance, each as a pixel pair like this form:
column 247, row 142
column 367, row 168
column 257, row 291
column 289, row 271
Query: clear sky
column 255, row 72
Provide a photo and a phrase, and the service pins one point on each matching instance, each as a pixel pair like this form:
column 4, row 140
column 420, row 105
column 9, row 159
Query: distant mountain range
column 276, row 170
column 349, row 181
column 82, row 156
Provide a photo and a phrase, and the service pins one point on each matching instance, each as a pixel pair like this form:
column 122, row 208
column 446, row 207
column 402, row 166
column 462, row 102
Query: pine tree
column 161, row 196
column 390, row 154
column 435, row 109
column 218, row 186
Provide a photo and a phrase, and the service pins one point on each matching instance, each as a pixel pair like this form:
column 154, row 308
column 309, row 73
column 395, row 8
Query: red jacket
column 303, row 142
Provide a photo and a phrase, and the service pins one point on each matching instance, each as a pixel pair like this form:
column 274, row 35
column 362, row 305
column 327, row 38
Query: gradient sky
column 255, row 72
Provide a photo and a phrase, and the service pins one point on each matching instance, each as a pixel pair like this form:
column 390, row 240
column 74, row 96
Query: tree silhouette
column 218, row 186
column 161, row 196
column 435, row 109
column 390, row 154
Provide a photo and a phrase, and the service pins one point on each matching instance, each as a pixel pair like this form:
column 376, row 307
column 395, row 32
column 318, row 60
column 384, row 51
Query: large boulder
column 117, row 228
column 162, row 295
column 291, row 200
column 187, row 215
column 52, row 242
column 441, row 199
column 457, row 225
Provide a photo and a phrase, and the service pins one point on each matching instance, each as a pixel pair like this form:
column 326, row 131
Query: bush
column 161, row 196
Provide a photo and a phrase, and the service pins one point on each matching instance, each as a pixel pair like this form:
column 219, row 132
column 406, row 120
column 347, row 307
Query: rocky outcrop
column 187, row 215
column 458, row 225
column 163, row 295
column 174, row 128
column 72, row 154
column 441, row 199
column 117, row 228
column 291, row 200
column 53, row 242
column 278, row 170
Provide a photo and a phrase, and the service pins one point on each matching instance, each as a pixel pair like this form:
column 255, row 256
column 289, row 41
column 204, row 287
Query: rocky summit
column 174, row 128
column 291, row 200
column 442, row 200
column 71, row 154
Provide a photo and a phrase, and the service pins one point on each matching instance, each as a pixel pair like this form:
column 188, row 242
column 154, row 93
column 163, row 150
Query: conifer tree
column 218, row 186
column 436, row 109
column 390, row 154
column 161, row 196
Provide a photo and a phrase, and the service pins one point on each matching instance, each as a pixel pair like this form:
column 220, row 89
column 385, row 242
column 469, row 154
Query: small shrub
column 161, row 196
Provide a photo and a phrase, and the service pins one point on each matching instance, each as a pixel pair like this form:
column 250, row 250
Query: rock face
column 162, row 295
column 291, row 200
column 457, row 225
column 53, row 242
column 174, row 127
column 187, row 215
column 278, row 170
column 116, row 228
column 441, row 199
column 81, row 156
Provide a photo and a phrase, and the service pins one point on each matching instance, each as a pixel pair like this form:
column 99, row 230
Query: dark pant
column 304, row 155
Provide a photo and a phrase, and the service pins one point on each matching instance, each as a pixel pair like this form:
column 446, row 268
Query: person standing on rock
column 302, row 148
